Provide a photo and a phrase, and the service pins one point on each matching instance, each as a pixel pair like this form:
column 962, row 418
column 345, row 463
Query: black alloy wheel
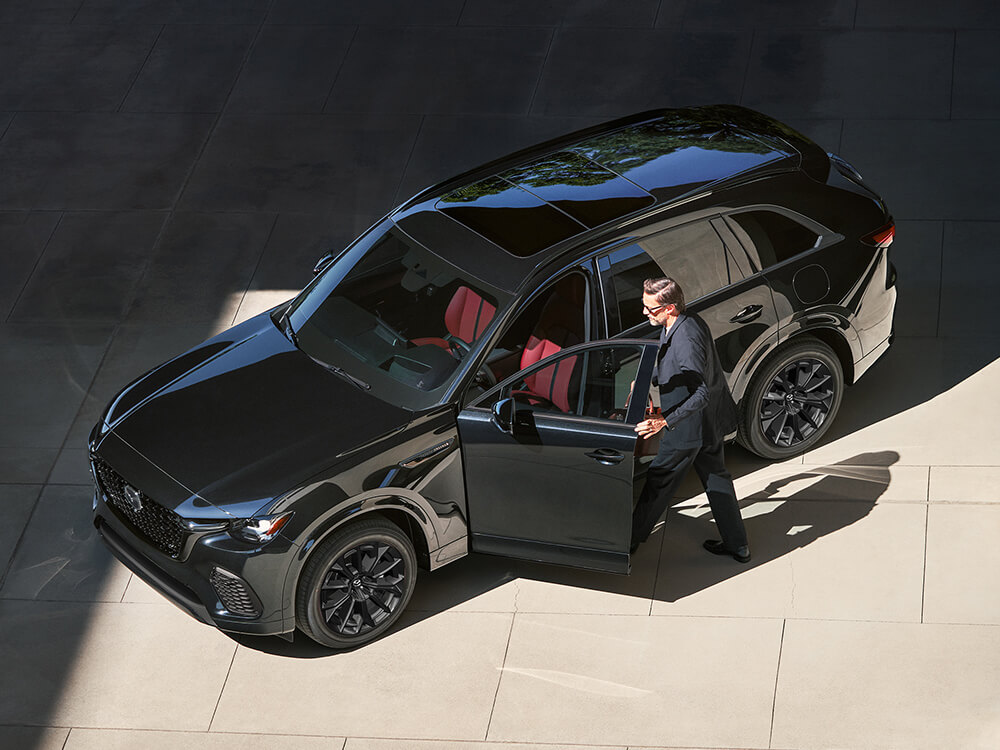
column 792, row 400
column 356, row 584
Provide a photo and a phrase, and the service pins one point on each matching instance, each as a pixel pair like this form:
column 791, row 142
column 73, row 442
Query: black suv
column 461, row 377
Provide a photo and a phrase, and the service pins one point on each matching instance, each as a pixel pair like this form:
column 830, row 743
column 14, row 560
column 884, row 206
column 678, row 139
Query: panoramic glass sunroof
column 527, row 209
column 519, row 222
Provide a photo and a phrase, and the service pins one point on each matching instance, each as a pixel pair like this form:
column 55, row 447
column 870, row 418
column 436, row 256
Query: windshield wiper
column 286, row 326
column 344, row 374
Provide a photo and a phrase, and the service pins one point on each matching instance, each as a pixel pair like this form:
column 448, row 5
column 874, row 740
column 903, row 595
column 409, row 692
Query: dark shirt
column 694, row 397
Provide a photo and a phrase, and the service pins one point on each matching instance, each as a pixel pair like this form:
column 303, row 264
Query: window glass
column 770, row 237
column 394, row 315
column 592, row 383
column 693, row 255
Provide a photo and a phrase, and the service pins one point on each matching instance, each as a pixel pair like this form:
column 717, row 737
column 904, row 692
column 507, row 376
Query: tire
column 792, row 400
column 356, row 584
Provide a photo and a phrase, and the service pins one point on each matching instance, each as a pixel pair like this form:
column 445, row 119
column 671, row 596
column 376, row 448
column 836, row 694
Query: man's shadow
column 787, row 514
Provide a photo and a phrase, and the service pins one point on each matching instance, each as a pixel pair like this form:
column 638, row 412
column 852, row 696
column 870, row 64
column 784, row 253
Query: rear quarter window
column 769, row 237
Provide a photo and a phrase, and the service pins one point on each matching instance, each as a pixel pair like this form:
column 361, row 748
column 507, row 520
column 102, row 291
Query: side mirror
column 504, row 411
column 323, row 262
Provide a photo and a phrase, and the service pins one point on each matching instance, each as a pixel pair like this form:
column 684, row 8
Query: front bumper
column 188, row 583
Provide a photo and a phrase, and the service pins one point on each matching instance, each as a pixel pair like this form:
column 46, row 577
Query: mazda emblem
column 134, row 498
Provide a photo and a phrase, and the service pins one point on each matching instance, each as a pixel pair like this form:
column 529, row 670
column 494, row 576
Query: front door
column 549, row 457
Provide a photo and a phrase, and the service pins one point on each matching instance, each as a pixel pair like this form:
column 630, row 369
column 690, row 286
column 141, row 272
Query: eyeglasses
column 653, row 310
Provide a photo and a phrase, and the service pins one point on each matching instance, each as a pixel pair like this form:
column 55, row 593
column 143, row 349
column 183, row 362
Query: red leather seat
column 466, row 318
column 561, row 325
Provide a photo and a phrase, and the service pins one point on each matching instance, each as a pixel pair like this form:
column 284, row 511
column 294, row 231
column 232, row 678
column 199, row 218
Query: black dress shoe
column 716, row 547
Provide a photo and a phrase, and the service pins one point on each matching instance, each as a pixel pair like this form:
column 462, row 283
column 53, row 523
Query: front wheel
column 792, row 400
column 356, row 584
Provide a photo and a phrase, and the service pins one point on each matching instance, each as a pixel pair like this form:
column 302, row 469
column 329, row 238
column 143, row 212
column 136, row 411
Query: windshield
column 393, row 315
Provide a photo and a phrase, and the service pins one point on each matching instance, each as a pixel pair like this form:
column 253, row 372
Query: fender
column 832, row 327
column 395, row 500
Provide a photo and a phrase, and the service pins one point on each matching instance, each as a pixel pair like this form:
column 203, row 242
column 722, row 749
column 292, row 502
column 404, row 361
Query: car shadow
column 790, row 511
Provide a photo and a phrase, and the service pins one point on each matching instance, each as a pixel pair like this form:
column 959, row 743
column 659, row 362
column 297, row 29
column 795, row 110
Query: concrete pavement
column 169, row 167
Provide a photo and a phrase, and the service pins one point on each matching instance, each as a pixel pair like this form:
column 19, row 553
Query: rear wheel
column 792, row 400
column 356, row 584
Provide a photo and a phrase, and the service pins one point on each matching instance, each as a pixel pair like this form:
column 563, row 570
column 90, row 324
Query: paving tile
column 614, row 72
column 255, row 302
column 20, row 465
column 976, row 73
column 126, row 739
column 33, row 11
column 22, row 236
column 61, row 556
column 45, row 371
column 410, row 688
column 597, row 13
column 636, row 680
column 968, row 272
column 923, row 168
column 90, row 267
column 823, row 131
column 171, row 11
column 769, row 14
column 33, row 738
column 963, row 565
column 888, row 685
column 952, row 381
column 202, row 260
column 110, row 666
column 451, row 144
column 370, row 744
column 302, row 163
column 447, row 70
column 140, row 591
column 850, row 74
column 57, row 67
column 291, row 69
column 916, row 254
column 811, row 559
column 191, row 69
column 98, row 161
column 383, row 13
column 964, row 484
column 17, row 501
column 970, row 14
column 486, row 583
column 298, row 241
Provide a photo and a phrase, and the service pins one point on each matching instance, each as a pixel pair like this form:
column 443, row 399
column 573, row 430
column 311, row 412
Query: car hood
column 243, row 418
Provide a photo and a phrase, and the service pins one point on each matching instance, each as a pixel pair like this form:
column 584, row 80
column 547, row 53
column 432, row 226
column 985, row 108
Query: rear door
column 549, row 457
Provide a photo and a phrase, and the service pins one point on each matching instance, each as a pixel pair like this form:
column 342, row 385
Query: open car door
column 549, row 456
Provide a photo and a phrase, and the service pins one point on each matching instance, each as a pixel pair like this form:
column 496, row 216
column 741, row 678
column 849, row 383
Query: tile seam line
column 38, row 260
column 777, row 676
column 923, row 576
column 503, row 663
column 746, row 68
column 406, row 164
column 66, row 741
column 253, row 275
column 138, row 71
column 541, row 69
column 222, row 690
column 340, row 68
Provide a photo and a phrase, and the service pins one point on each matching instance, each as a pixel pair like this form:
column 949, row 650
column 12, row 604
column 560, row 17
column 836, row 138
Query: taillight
column 881, row 237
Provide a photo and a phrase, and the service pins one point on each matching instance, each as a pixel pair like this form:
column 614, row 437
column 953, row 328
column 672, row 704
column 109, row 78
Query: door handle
column 606, row 456
column 748, row 313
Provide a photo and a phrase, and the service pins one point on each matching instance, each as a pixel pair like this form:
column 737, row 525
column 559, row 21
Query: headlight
column 259, row 530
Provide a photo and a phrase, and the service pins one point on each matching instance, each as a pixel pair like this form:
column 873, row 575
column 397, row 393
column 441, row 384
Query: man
column 697, row 412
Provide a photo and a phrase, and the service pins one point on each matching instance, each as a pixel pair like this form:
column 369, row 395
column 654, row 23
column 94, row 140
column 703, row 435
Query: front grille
column 234, row 593
column 158, row 525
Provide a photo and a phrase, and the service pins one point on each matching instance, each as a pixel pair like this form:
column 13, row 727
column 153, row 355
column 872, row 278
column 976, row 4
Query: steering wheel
column 485, row 373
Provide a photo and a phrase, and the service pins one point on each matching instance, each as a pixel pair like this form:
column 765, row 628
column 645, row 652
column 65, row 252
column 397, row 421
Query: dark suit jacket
column 694, row 397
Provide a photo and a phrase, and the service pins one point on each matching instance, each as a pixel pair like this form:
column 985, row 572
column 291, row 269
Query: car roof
column 502, row 220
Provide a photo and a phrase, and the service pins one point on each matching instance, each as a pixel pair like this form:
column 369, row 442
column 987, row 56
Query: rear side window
column 693, row 255
column 770, row 237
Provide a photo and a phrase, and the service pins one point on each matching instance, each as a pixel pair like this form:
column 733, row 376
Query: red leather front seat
column 466, row 318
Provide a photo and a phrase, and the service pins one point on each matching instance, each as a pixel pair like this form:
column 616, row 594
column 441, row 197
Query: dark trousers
column 667, row 470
